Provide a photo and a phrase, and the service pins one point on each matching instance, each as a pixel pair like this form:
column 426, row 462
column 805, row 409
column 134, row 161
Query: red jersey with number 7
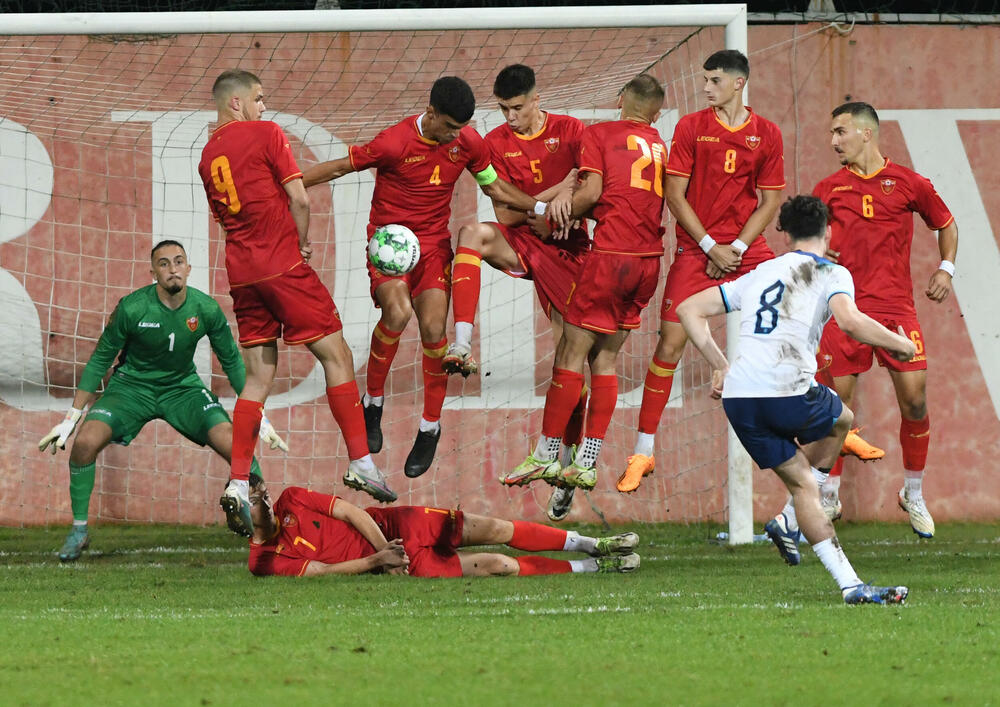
column 871, row 219
column 415, row 178
column 629, row 155
column 244, row 168
column 726, row 166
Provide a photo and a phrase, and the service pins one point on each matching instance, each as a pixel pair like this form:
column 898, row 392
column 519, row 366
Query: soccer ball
column 393, row 249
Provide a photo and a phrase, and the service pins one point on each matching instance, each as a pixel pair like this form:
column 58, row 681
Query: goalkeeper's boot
column 787, row 541
column 373, row 427
column 618, row 563
column 422, row 454
column 855, row 446
column 639, row 465
column 458, row 359
column 560, row 503
column 870, row 594
column 531, row 469
column 76, row 542
column 621, row 544
column 920, row 517
column 582, row 477
column 830, row 502
column 370, row 480
column 235, row 503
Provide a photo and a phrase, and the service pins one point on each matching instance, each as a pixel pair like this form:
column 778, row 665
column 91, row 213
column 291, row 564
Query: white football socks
column 588, row 565
column 579, row 543
column 586, row 456
column 547, row 448
column 463, row 334
column 428, row 426
column 644, row 444
column 789, row 512
column 369, row 400
column 913, row 482
column 833, row 558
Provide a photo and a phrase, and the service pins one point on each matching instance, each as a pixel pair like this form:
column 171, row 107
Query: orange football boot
column 855, row 446
column 639, row 465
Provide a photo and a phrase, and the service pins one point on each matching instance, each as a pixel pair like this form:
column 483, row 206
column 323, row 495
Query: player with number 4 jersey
column 720, row 157
column 872, row 201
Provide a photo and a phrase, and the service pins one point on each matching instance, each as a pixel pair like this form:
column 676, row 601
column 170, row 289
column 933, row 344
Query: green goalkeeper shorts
column 188, row 407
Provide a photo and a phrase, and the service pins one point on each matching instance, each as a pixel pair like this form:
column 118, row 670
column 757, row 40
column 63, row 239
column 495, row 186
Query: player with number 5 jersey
column 255, row 191
column 621, row 167
column 720, row 157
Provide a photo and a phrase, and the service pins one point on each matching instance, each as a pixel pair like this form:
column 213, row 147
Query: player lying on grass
column 786, row 420
column 307, row 533
column 156, row 329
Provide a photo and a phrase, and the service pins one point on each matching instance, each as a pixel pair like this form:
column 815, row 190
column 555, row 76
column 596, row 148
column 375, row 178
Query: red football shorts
column 430, row 536
column 551, row 267
column 294, row 305
column 848, row 357
column 433, row 272
column 610, row 291
column 687, row 276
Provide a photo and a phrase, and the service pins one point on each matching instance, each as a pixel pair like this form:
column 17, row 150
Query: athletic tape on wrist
column 706, row 243
column 948, row 267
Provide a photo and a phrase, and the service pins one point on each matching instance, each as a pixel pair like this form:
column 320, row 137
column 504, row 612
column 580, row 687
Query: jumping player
column 872, row 201
column 418, row 162
column 621, row 169
column 255, row 192
column 719, row 158
column 786, row 420
column 308, row 533
column 537, row 152
column 156, row 329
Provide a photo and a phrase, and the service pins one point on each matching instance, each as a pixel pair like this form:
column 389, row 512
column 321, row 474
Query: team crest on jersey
column 888, row 185
column 289, row 521
column 192, row 323
column 453, row 154
column 753, row 141
column 552, row 144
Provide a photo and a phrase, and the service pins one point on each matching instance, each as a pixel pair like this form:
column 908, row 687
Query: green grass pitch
column 169, row 615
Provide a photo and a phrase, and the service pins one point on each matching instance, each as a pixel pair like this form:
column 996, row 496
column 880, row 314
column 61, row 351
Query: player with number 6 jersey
column 720, row 157
column 621, row 168
column 872, row 201
column 255, row 191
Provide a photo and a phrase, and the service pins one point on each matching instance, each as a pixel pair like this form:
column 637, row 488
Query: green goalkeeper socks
column 81, row 485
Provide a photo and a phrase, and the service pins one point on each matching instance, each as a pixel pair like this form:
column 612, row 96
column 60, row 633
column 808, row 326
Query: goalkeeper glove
column 61, row 432
column 269, row 436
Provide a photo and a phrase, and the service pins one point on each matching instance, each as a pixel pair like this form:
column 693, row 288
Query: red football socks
column 345, row 404
column 533, row 564
column 385, row 343
column 535, row 537
column 574, row 428
column 655, row 394
column 561, row 398
column 466, row 275
column 603, row 399
column 246, row 425
column 435, row 379
column 915, row 438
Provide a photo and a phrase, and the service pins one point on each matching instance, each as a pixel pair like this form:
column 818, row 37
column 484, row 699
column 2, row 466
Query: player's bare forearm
column 509, row 195
column 939, row 286
column 359, row 566
column 392, row 558
column 681, row 209
column 694, row 313
column 770, row 200
column 362, row 522
column 327, row 171
column 508, row 216
column 859, row 326
column 586, row 194
column 948, row 242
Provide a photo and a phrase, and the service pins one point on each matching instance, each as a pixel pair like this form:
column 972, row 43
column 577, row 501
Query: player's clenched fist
column 270, row 437
column 61, row 432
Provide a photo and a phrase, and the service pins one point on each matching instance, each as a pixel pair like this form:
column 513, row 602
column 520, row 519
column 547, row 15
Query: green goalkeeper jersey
column 157, row 344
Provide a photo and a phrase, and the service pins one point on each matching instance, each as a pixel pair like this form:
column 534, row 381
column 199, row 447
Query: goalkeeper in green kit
column 156, row 329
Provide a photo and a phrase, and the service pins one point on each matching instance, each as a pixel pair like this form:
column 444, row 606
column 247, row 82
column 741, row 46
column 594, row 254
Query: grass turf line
column 169, row 615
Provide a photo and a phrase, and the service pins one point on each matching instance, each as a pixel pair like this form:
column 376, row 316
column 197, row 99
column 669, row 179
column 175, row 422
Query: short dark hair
column 514, row 80
column 857, row 109
column 453, row 97
column 646, row 88
column 232, row 79
column 803, row 217
column 732, row 61
column 164, row 244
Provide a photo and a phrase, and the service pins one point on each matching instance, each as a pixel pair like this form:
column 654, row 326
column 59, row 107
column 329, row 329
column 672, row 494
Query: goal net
column 100, row 136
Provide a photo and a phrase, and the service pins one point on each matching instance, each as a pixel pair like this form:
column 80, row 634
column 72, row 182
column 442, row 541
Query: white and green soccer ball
column 393, row 249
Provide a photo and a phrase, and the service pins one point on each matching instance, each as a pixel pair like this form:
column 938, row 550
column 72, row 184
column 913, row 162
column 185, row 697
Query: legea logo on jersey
column 552, row 144
column 753, row 141
column 149, row 325
column 192, row 323
column 453, row 154
column 888, row 185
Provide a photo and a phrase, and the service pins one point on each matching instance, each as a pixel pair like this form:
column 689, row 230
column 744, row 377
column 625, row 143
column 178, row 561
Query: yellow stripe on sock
column 468, row 259
column 438, row 352
column 657, row 370
column 385, row 338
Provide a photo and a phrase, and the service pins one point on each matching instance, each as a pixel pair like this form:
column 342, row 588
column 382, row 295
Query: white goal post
column 733, row 17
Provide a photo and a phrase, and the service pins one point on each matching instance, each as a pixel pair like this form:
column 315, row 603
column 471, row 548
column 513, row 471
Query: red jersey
column 244, row 167
column 872, row 229
column 726, row 166
column 306, row 532
column 415, row 178
column 629, row 155
column 534, row 163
